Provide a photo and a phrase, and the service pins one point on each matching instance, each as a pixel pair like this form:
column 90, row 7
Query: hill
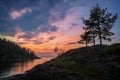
column 11, row 52
column 87, row 63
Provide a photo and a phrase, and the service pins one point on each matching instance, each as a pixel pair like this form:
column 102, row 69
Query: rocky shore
column 87, row 63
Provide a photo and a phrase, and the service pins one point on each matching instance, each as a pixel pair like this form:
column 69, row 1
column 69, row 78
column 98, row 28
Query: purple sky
column 43, row 24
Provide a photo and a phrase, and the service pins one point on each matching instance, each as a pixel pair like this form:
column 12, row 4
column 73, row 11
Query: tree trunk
column 99, row 34
column 86, row 44
column 100, row 38
column 94, row 42
column 93, row 32
column 93, row 39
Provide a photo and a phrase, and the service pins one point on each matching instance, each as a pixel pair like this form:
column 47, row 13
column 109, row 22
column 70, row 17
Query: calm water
column 20, row 68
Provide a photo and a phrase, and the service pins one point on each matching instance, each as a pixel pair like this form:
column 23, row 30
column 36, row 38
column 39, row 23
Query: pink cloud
column 15, row 14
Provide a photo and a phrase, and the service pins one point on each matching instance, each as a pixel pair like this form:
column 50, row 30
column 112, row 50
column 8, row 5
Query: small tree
column 61, row 51
column 86, row 38
column 90, row 27
column 58, row 51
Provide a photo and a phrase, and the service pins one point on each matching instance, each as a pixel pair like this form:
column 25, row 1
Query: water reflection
column 21, row 67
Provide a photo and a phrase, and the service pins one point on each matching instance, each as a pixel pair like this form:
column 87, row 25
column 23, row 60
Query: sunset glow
column 41, row 25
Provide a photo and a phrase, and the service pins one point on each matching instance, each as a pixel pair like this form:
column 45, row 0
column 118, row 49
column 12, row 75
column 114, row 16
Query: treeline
column 98, row 26
column 11, row 51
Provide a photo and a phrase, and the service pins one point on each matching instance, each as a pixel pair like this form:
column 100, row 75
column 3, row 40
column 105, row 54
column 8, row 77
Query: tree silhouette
column 103, row 21
column 90, row 27
column 100, row 23
column 58, row 51
column 86, row 38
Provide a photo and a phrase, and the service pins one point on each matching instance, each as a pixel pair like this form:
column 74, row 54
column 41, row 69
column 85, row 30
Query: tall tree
column 103, row 22
column 100, row 23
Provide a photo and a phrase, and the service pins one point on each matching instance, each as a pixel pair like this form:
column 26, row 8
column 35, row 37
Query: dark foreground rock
column 91, row 63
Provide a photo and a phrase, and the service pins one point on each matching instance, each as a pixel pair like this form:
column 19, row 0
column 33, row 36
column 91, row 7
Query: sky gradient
column 43, row 24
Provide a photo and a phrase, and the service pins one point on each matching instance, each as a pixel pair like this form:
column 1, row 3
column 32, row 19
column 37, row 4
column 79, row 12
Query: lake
column 21, row 67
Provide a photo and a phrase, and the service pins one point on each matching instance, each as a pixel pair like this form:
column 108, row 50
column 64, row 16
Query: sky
column 41, row 25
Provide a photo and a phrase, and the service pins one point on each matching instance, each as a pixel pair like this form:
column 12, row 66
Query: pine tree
column 90, row 27
column 100, row 23
column 103, row 22
column 85, row 38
